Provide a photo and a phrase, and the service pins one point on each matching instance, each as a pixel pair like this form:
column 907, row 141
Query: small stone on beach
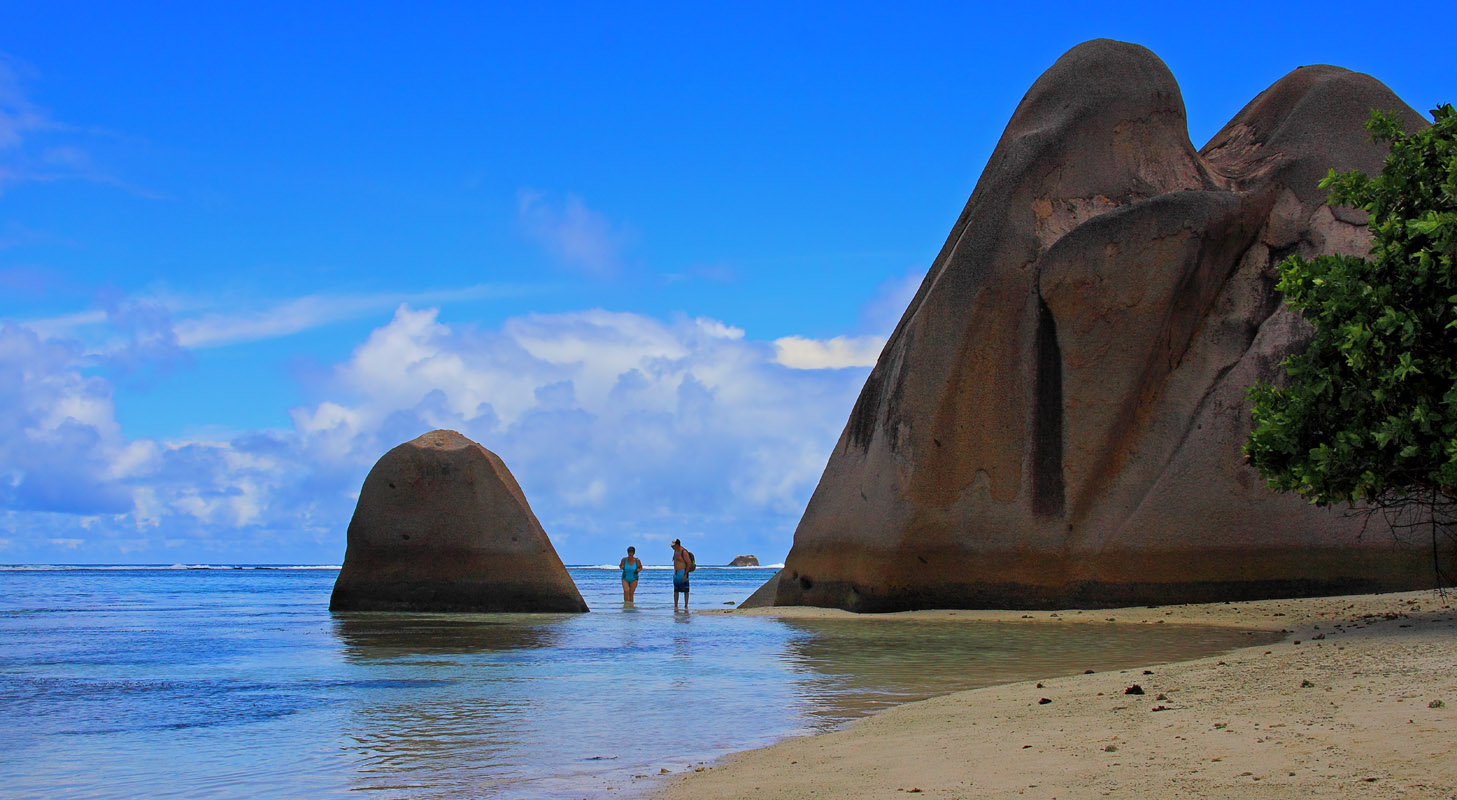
column 1044, row 701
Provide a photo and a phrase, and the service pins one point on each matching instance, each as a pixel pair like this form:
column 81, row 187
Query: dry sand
column 1359, row 700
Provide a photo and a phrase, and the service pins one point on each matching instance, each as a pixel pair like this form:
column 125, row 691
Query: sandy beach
column 1358, row 700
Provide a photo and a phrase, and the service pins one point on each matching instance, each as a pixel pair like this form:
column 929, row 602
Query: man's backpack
column 692, row 562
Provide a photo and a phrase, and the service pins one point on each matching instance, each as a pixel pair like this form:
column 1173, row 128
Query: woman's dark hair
column 631, row 550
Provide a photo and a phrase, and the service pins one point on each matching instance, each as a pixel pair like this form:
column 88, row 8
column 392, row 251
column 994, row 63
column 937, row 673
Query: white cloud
column 798, row 352
column 18, row 116
column 613, row 423
column 295, row 315
column 199, row 324
column 572, row 232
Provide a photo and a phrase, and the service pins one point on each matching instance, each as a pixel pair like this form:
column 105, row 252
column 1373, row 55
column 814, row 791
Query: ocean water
column 238, row 683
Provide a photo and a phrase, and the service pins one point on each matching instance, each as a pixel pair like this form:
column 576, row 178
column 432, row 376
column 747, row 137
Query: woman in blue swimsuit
column 631, row 566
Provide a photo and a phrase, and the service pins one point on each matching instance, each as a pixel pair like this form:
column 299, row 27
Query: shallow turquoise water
column 238, row 683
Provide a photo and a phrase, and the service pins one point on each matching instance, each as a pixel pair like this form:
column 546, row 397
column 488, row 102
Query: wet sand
column 1359, row 700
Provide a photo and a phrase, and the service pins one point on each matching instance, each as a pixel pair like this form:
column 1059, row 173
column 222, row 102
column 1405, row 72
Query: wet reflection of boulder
column 377, row 637
column 861, row 666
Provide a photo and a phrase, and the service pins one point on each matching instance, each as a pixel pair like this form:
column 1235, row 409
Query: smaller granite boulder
column 441, row 525
column 744, row 561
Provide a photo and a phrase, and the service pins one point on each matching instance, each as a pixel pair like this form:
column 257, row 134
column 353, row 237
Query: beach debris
column 1134, row 689
column 1148, row 672
column 1044, row 701
column 1112, row 748
column 1306, row 684
column 1160, row 708
column 1039, row 684
column 1436, row 704
column 1162, row 696
column 1087, row 672
column 1317, row 637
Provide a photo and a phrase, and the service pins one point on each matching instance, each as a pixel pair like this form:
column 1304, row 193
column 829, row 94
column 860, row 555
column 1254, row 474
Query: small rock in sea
column 1436, row 704
column 728, row 602
column 1044, row 701
column 1134, row 689
column 663, row 771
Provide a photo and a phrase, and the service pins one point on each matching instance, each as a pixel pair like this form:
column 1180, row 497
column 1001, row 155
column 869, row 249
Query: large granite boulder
column 441, row 525
column 1057, row 418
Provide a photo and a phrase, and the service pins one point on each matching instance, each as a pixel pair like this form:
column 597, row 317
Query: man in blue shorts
column 682, row 561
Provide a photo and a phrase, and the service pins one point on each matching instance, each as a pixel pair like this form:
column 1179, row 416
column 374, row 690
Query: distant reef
column 744, row 561
column 1057, row 419
column 441, row 525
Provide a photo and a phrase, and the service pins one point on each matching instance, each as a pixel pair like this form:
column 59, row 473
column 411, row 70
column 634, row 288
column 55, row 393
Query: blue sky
column 646, row 252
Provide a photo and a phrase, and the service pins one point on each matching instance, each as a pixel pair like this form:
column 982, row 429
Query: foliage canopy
column 1369, row 410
